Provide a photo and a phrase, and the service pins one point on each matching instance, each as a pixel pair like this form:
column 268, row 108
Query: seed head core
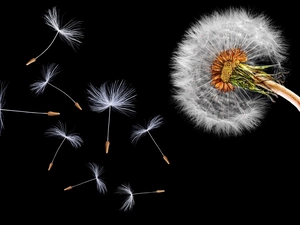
column 224, row 65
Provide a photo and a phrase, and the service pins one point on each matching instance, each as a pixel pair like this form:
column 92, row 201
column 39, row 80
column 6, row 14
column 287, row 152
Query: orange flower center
column 223, row 66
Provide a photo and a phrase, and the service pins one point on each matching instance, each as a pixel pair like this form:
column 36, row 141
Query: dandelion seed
column 129, row 201
column 3, row 87
column 60, row 130
column 227, row 69
column 71, row 32
column 97, row 172
column 117, row 95
column 48, row 73
column 139, row 131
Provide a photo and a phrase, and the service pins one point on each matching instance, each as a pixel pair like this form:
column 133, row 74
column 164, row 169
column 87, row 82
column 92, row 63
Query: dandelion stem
column 70, row 187
column 148, row 192
column 280, row 90
column 155, row 143
column 50, row 113
column 20, row 111
column 61, row 91
column 51, row 164
column 107, row 143
column 108, row 123
column 164, row 157
column 34, row 59
column 48, row 45
column 76, row 103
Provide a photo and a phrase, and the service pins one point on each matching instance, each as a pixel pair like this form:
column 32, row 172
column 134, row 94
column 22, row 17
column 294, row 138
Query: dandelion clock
column 227, row 69
column 129, row 202
column 48, row 73
column 138, row 131
column 118, row 95
column 97, row 172
column 60, row 131
column 3, row 86
column 70, row 32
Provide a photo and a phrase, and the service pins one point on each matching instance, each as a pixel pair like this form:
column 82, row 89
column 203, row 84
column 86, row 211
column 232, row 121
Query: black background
column 238, row 179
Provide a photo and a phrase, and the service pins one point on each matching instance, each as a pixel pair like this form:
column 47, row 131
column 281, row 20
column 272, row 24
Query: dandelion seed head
column 60, row 130
column 138, row 131
column 129, row 202
column 48, row 72
column 71, row 32
column 212, row 52
column 119, row 95
column 98, row 171
column 52, row 19
column 3, row 87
